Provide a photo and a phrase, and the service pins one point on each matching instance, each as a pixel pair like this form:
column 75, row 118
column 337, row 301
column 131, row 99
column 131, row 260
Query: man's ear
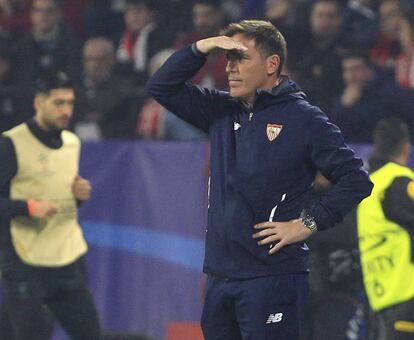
column 272, row 64
column 37, row 101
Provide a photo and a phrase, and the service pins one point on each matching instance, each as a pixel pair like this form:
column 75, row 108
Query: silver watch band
column 309, row 222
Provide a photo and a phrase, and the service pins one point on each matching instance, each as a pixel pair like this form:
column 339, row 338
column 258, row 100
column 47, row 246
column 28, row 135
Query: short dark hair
column 150, row 4
column 216, row 4
column 390, row 135
column 358, row 54
column 267, row 37
column 52, row 80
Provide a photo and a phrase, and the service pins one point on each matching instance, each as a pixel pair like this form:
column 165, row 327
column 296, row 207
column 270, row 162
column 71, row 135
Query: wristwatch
column 309, row 222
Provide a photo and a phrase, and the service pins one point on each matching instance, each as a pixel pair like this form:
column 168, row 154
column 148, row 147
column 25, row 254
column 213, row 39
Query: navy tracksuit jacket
column 251, row 174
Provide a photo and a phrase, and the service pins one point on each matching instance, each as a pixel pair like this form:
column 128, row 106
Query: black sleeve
column 337, row 162
column 398, row 202
column 169, row 86
column 8, row 169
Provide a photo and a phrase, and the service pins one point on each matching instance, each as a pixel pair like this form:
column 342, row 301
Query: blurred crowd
column 354, row 59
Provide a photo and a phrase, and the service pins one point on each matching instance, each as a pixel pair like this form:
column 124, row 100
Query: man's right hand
column 222, row 42
column 41, row 209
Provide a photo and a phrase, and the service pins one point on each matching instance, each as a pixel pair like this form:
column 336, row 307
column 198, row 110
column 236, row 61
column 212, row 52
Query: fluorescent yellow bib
column 46, row 174
column 384, row 245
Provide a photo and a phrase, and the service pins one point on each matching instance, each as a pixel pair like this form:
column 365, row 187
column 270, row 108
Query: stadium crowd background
column 354, row 59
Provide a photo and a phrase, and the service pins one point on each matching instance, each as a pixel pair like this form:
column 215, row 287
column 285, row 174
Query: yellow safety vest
column 385, row 246
column 46, row 174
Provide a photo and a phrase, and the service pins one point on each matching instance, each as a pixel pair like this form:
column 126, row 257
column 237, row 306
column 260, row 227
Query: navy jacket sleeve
column 170, row 88
column 338, row 163
column 8, row 169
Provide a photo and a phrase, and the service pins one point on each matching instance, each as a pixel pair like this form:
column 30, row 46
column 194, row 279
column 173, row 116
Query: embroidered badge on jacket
column 273, row 130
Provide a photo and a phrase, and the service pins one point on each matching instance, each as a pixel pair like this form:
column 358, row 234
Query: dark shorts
column 265, row 308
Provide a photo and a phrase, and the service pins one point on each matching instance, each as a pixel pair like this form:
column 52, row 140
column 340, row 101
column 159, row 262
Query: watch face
column 309, row 222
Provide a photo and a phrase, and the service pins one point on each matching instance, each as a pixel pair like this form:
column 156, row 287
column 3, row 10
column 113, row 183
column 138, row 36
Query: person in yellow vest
column 41, row 242
column 386, row 230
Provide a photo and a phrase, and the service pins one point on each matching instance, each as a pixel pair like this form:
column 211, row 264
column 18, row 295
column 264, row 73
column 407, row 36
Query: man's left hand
column 81, row 188
column 280, row 234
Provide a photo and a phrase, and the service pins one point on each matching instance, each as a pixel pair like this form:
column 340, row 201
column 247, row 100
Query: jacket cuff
column 197, row 52
column 322, row 218
column 21, row 208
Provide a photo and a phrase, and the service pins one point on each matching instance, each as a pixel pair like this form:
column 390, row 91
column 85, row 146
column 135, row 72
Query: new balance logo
column 274, row 318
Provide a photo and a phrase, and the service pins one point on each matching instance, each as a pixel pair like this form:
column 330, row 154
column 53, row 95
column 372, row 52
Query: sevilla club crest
column 273, row 130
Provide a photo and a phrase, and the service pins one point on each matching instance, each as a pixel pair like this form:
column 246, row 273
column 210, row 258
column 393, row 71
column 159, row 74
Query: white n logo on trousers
column 274, row 318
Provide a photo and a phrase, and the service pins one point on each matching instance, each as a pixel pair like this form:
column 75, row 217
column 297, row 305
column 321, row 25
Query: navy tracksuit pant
column 265, row 308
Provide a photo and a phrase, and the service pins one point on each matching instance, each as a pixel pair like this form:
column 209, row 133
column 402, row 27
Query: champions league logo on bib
column 272, row 131
column 43, row 166
column 43, row 162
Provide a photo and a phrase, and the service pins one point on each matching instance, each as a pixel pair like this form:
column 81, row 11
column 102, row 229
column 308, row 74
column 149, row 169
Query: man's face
column 97, row 61
column 45, row 15
column 390, row 19
column 248, row 71
column 54, row 110
column 206, row 20
column 5, row 68
column 356, row 72
column 278, row 9
column 325, row 20
column 137, row 17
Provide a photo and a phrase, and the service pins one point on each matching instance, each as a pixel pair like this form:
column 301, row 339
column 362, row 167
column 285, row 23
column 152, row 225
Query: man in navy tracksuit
column 267, row 142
